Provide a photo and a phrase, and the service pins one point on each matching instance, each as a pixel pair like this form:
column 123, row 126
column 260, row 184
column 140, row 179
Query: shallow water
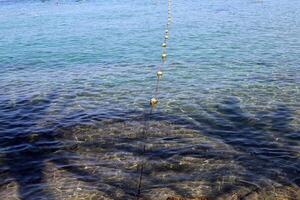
column 76, row 77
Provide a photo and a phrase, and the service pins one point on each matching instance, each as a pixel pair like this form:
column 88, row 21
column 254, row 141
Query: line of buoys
column 154, row 100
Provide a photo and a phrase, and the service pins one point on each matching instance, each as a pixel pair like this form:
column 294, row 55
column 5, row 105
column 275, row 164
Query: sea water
column 75, row 82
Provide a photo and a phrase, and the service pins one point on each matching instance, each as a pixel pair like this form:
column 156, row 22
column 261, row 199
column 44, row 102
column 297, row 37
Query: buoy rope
column 141, row 165
column 154, row 99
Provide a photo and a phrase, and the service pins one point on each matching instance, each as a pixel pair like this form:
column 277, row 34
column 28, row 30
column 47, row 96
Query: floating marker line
column 154, row 100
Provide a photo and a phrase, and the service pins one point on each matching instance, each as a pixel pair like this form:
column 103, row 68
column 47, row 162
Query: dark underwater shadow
column 25, row 151
column 24, row 154
column 267, row 140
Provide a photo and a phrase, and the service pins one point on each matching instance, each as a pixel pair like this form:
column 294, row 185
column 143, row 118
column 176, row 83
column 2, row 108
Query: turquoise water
column 76, row 78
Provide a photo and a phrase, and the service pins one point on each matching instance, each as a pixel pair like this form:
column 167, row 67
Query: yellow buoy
column 153, row 101
column 159, row 74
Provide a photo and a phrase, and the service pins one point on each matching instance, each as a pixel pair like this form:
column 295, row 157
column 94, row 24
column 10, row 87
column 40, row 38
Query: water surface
column 76, row 78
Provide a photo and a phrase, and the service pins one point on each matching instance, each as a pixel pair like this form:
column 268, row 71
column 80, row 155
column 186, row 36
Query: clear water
column 76, row 78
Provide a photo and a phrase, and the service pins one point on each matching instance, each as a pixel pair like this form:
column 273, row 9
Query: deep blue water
column 76, row 79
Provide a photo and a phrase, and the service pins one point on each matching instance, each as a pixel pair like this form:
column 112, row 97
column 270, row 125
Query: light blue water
column 87, row 69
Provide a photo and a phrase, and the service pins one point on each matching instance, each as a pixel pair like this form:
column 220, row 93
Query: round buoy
column 159, row 74
column 164, row 56
column 164, row 45
column 153, row 101
column 166, row 36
